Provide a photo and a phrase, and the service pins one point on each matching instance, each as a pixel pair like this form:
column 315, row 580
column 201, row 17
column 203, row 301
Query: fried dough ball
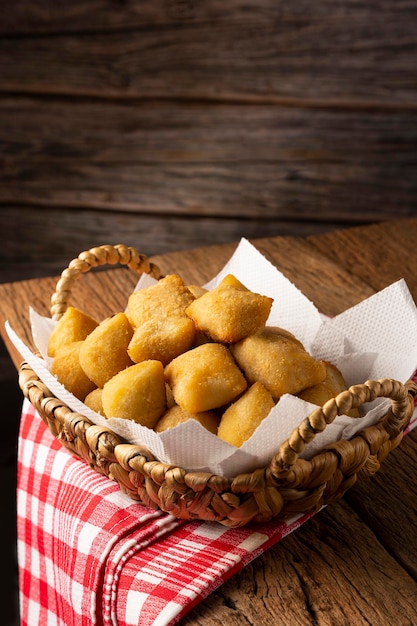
column 94, row 400
column 74, row 325
column 162, row 338
column 169, row 296
column 243, row 417
column 330, row 387
column 279, row 361
column 136, row 393
column 104, row 351
column 66, row 367
column 204, row 378
column 176, row 415
column 228, row 313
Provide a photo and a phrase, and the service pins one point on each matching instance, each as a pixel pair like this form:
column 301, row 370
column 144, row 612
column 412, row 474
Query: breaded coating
column 66, row 367
column 176, row 415
column 278, row 361
column 230, row 279
column 104, row 351
column 204, row 378
column 197, row 290
column 162, row 338
column 136, row 393
column 243, row 417
column 331, row 386
column 169, row 296
column 228, row 313
column 74, row 325
column 94, row 401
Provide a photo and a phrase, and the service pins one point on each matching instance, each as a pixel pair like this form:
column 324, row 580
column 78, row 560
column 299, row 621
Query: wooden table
column 356, row 561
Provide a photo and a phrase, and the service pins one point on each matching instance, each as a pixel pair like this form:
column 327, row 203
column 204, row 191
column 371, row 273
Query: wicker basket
column 288, row 485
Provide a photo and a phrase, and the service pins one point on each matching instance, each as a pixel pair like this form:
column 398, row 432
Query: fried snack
column 169, row 296
column 74, row 325
column 204, row 378
column 243, row 417
column 228, row 313
column 331, row 386
column 230, row 279
column 279, row 361
column 162, row 338
column 94, row 401
column 66, row 367
column 197, row 290
column 104, row 351
column 136, row 393
column 176, row 415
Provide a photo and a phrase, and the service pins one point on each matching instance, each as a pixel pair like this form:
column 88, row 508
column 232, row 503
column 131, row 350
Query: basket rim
column 396, row 418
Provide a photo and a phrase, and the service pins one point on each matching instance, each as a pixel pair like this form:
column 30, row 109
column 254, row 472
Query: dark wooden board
column 173, row 159
column 346, row 53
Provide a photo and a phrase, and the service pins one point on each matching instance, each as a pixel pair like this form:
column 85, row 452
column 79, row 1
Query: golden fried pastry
column 162, row 338
column 104, row 351
column 74, row 325
column 243, row 417
column 66, row 367
column 176, row 415
column 169, row 296
column 94, row 400
column 136, row 393
column 231, row 280
column 197, row 290
column 228, row 313
column 204, row 378
column 279, row 361
column 330, row 387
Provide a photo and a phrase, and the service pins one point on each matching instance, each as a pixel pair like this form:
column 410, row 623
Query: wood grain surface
column 174, row 124
column 355, row 561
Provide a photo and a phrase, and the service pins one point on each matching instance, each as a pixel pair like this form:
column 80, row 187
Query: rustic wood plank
column 345, row 53
column 226, row 160
column 39, row 241
column 44, row 17
column 324, row 573
column 391, row 524
column 382, row 260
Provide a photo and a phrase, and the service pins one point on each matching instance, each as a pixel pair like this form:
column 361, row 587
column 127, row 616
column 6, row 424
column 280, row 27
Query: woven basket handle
column 402, row 405
column 102, row 255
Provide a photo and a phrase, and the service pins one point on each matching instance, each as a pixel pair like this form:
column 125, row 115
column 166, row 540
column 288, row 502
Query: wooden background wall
column 170, row 124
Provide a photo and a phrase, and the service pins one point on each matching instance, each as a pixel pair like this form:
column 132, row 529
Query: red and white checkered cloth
column 88, row 554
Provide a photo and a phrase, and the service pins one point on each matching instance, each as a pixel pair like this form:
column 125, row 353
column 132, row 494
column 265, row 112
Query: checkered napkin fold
column 89, row 555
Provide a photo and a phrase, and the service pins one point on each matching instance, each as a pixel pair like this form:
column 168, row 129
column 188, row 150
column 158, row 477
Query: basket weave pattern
column 288, row 485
